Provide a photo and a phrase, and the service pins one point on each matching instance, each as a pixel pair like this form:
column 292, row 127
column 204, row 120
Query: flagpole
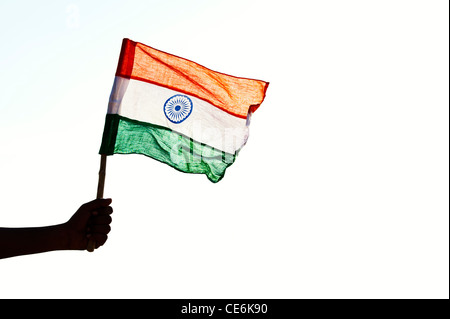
column 100, row 188
column 101, row 176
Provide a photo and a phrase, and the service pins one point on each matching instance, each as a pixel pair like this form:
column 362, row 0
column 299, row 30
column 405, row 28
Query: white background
column 341, row 191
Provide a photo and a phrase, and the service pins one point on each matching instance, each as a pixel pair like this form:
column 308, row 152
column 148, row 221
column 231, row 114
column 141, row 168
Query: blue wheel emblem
column 178, row 108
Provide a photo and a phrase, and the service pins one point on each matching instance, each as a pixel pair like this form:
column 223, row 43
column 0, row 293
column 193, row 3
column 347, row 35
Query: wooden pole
column 100, row 188
column 101, row 176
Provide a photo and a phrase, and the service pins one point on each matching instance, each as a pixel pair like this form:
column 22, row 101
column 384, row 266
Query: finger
column 96, row 204
column 100, row 229
column 108, row 210
column 87, row 210
column 100, row 220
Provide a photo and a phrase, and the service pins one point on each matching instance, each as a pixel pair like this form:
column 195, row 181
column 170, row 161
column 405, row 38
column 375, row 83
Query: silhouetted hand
column 91, row 220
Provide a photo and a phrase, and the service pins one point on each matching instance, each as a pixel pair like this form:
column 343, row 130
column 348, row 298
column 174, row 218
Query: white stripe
column 206, row 124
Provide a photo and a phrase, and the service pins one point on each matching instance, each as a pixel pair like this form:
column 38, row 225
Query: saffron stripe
column 229, row 93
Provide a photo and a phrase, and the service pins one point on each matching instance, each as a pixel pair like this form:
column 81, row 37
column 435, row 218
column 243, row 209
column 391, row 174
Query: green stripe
column 126, row 136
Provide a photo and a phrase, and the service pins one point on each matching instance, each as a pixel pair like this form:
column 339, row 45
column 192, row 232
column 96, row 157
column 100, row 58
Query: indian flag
column 178, row 112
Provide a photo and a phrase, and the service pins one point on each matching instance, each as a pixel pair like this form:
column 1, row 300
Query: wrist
column 71, row 238
column 61, row 237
